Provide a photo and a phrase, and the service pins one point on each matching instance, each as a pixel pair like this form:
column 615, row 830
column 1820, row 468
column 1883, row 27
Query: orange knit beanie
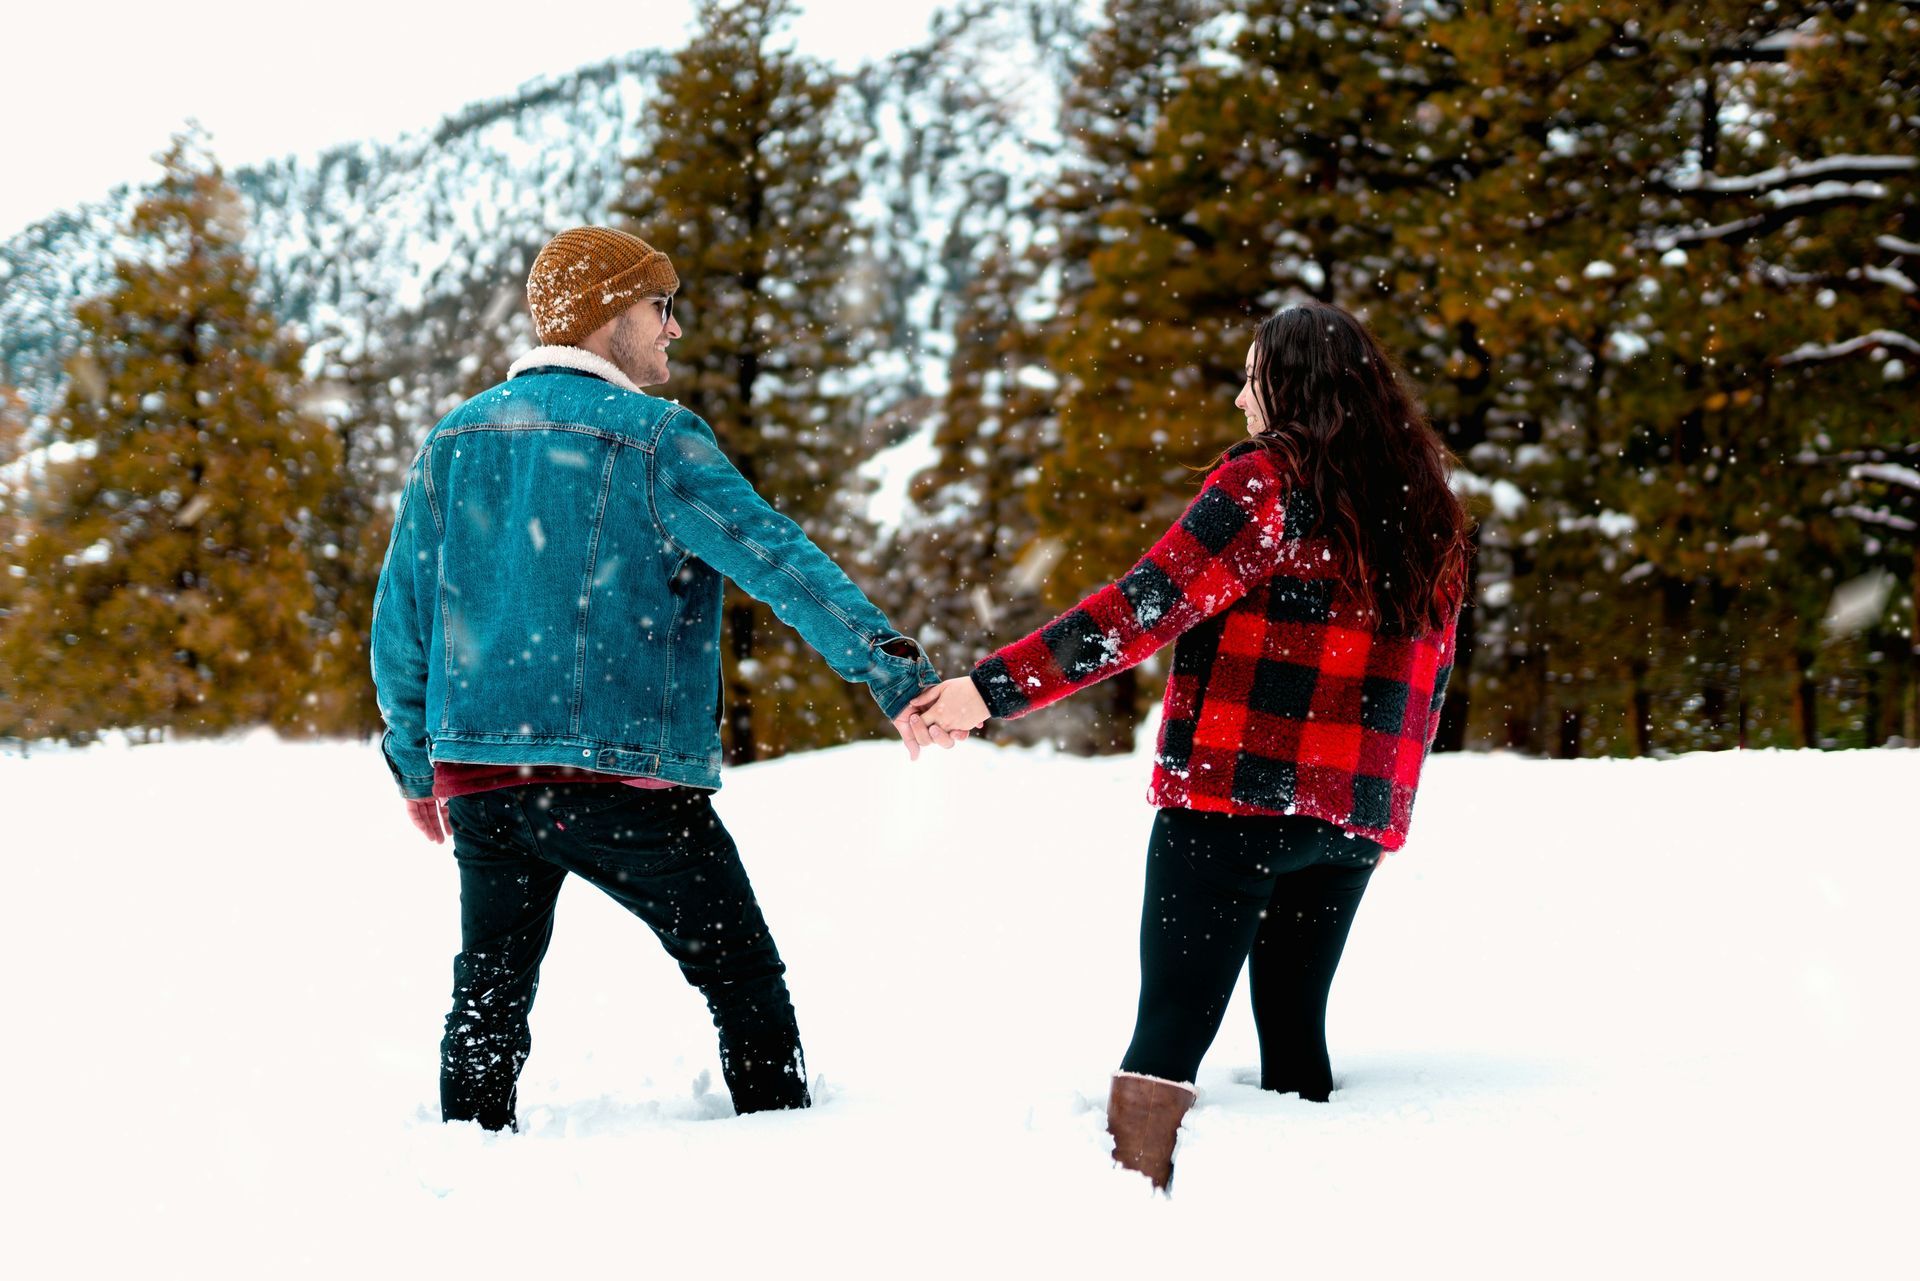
column 587, row 276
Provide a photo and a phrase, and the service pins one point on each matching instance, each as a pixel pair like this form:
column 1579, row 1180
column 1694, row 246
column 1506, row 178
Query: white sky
column 92, row 92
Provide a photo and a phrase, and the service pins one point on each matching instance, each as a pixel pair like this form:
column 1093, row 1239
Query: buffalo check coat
column 1285, row 697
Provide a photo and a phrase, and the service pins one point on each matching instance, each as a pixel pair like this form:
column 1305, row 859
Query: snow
column 1875, row 516
column 1859, row 603
column 1795, row 197
column 1889, row 276
column 1624, row 345
column 1599, row 1019
column 1811, row 352
column 1509, row 500
column 1795, row 174
column 1887, row 474
column 891, row 472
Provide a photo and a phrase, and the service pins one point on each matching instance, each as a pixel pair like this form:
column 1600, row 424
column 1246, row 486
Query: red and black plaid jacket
column 1284, row 696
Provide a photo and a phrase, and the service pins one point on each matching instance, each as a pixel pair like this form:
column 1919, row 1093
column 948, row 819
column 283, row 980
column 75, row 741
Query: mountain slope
column 402, row 262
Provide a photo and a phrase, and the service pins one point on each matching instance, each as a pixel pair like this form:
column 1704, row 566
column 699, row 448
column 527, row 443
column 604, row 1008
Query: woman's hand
column 954, row 706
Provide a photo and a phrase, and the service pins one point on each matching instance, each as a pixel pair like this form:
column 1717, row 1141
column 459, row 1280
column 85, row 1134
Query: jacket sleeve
column 1226, row 541
column 706, row 506
column 399, row 641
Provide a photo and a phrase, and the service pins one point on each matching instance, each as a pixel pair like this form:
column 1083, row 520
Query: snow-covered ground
column 1599, row 1018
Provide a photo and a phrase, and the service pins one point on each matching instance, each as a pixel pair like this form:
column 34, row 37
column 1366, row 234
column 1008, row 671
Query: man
column 546, row 649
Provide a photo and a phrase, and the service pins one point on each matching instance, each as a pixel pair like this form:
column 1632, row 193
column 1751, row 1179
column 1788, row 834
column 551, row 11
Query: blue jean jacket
column 551, row 594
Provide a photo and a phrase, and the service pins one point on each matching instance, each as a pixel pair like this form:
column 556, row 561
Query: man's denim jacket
column 551, row 594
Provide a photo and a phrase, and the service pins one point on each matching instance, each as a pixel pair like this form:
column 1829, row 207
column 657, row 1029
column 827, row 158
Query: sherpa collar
column 572, row 358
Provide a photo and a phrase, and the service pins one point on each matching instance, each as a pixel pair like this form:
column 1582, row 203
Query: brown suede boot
column 1143, row 1116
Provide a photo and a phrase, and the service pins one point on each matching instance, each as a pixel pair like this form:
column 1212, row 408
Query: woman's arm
column 1227, row 540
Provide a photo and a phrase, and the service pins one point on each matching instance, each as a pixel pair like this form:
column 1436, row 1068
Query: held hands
column 952, row 708
column 944, row 714
column 916, row 733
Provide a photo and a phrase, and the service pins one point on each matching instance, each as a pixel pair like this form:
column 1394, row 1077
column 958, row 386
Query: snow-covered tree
column 13, row 528
column 1577, row 225
column 171, row 570
column 1028, row 506
column 748, row 184
column 987, row 147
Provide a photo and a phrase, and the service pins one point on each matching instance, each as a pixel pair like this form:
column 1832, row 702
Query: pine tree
column 351, row 530
column 967, row 566
column 171, row 571
column 14, row 420
column 748, row 185
column 14, row 517
column 1837, row 246
column 1679, row 553
column 1521, row 201
column 1112, row 468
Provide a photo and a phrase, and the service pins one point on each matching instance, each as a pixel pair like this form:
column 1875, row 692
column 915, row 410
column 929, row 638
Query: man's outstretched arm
column 706, row 506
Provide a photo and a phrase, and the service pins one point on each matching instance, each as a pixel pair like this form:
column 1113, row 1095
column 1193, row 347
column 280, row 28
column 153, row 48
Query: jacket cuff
column 998, row 690
column 894, row 693
column 415, row 787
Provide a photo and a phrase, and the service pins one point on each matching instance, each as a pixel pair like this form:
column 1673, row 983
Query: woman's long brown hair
column 1345, row 427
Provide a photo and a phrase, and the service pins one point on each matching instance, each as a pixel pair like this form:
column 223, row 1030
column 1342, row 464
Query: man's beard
column 638, row 361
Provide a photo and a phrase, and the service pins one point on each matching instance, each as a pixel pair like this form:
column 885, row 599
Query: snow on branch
column 1807, row 457
column 1887, row 474
column 1874, row 516
column 1672, row 239
column 1896, row 245
column 1782, row 278
column 1823, row 193
column 1771, row 48
column 1887, row 276
column 1785, row 192
column 1820, row 353
column 1794, row 175
column 1786, row 205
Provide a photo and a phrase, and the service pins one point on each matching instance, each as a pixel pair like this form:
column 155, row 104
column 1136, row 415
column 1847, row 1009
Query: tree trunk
column 1713, row 711
column 1568, row 747
column 1642, row 716
column 1808, row 707
column 1525, row 705
column 742, row 749
column 1122, row 720
column 1911, row 730
column 1873, row 679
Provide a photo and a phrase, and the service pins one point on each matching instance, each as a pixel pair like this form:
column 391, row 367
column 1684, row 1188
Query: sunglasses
column 665, row 306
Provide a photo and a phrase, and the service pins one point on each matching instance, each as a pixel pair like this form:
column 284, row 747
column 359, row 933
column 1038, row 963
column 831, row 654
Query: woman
column 1312, row 586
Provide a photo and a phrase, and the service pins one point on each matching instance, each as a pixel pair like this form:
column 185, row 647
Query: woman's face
column 1248, row 401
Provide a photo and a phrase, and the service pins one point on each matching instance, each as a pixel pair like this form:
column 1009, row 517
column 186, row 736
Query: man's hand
column 916, row 733
column 430, row 816
column 954, row 706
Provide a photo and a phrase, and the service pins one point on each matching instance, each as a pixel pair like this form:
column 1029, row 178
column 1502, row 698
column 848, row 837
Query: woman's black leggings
column 1224, row 890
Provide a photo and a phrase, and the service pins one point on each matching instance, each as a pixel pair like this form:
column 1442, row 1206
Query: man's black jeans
column 664, row 856
column 1276, row 894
